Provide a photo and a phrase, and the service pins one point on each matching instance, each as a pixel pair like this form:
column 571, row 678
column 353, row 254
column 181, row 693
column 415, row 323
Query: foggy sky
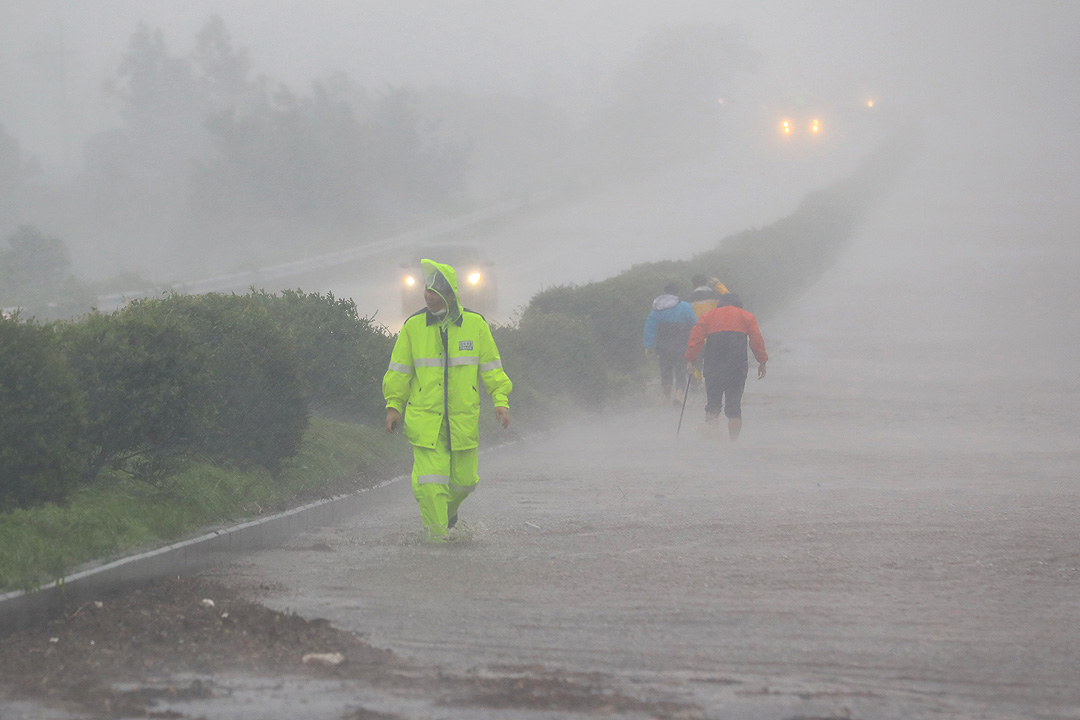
column 1000, row 58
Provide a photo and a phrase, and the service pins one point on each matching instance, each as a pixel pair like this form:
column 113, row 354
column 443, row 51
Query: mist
column 892, row 535
column 597, row 103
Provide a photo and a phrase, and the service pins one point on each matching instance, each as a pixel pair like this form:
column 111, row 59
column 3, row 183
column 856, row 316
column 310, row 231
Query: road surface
column 894, row 535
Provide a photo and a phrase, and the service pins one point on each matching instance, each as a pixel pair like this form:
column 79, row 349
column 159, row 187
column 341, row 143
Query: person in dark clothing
column 720, row 337
column 667, row 329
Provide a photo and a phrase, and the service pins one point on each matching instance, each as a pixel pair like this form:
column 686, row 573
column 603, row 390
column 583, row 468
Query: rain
column 893, row 534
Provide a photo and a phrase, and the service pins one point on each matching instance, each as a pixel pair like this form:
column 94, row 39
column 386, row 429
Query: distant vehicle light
column 815, row 126
column 869, row 103
column 786, row 127
column 477, row 278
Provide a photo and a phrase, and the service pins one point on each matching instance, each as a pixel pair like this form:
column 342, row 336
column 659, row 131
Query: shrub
column 254, row 381
column 768, row 267
column 146, row 385
column 555, row 356
column 342, row 356
column 41, row 418
column 611, row 313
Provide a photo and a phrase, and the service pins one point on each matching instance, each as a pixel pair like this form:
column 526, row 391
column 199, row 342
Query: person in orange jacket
column 720, row 337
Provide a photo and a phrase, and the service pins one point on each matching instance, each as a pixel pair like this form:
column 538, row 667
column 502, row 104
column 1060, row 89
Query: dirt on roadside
column 174, row 627
column 122, row 656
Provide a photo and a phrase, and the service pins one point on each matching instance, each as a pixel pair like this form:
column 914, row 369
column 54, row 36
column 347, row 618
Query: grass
column 117, row 515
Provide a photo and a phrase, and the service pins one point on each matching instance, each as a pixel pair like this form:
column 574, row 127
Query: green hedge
column 164, row 382
column 235, row 379
column 42, row 443
column 342, row 355
column 146, row 384
column 768, row 267
column 254, row 378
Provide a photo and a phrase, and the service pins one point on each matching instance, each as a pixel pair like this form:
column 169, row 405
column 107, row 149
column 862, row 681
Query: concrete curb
column 20, row 608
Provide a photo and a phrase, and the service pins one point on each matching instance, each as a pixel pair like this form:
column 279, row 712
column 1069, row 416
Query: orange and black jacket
column 724, row 333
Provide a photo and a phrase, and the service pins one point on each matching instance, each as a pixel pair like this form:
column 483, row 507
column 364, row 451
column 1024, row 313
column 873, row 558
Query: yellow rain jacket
column 436, row 367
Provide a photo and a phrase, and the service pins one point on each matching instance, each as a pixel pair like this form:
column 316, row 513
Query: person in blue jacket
column 667, row 331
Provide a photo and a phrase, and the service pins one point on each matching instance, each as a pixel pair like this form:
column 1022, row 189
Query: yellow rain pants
column 441, row 480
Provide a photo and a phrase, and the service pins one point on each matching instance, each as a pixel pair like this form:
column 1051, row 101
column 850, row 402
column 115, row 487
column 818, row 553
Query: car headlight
column 474, row 278
column 409, row 280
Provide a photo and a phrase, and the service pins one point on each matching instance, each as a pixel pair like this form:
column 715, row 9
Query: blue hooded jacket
column 668, row 325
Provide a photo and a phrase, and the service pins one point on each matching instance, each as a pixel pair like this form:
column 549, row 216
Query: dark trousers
column 724, row 390
column 672, row 367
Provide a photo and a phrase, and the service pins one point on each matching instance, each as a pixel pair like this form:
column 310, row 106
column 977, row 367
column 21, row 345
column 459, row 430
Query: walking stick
column 685, row 392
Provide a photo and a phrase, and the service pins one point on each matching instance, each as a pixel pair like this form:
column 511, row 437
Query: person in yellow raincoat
column 432, row 385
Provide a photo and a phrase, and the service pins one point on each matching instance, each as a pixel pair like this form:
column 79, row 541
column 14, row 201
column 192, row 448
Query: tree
column 412, row 169
column 136, row 175
column 162, row 103
column 221, row 70
column 17, row 174
column 287, row 163
column 243, row 164
column 281, row 165
column 34, row 270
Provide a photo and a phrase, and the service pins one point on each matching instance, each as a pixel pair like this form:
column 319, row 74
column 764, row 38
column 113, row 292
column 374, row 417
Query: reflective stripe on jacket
column 420, row 384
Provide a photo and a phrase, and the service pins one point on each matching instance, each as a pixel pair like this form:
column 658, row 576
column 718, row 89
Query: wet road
column 890, row 538
column 894, row 535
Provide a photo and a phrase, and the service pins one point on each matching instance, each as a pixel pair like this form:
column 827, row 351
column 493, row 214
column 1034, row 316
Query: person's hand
column 393, row 419
column 761, row 371
column 503, row 416
column 690, row 368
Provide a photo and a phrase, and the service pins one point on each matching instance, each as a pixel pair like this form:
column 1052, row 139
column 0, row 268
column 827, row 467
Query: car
column 810, row 122
column 807, row 127
column 477, row 289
